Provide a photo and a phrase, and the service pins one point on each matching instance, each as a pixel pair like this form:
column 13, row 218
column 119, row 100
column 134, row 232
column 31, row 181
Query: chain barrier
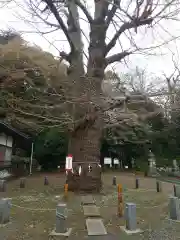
column 34, row 209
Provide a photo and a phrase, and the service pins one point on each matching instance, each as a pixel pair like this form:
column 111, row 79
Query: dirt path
column 33, row 210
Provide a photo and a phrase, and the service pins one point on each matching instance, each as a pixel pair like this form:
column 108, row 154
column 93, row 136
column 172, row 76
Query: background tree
column 87, row 111
column 31, row 86
column 34, row 80
column 51, row 148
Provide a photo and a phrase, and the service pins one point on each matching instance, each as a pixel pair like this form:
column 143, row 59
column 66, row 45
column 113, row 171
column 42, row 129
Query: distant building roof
column 13, row 132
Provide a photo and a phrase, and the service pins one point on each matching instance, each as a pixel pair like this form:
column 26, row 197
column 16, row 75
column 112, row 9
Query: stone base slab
column 66, row 234
column 129, row 232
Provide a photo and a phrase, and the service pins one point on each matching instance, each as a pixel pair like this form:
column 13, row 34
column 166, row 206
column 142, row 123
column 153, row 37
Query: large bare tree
column 85, row 82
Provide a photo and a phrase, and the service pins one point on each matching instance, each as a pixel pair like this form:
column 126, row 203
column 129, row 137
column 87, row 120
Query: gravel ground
column 33, row 209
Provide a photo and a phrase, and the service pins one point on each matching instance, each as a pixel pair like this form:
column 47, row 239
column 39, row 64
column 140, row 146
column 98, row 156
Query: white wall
column 3, row 139
column 8, row 154
column 9, row 141
column 6, row 141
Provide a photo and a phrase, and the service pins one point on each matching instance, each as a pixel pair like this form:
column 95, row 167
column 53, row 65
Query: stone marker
column 61, row 221
column 130, row 218
column 114, row 181
column 95, row 227
column 178, row 191
column 87, row 200
column 174, row 208
column 46, row 182
column 2, row 185
column 22, row 182
column 5, row 205
column 91, row 211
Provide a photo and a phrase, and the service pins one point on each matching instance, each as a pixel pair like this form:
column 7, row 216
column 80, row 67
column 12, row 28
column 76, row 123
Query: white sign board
column 68, row 163
column 116, row 161
column 108, row 161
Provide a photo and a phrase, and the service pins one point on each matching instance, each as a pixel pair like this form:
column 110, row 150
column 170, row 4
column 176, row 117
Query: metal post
column 174, row 188
column 5, row 205
column 22, row 183
column 46, row 182
column 31, row 159
column 174, row 208
column 2, row 185
column 61, row 215
column 130, row 216
column 158, row 186
column 137, row 183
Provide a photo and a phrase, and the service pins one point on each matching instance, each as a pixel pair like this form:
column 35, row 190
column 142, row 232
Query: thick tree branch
column 55, row 12
column 85, row 11
column 112, row 12
column 123, row 28
column 101, row 9
column 117, row 57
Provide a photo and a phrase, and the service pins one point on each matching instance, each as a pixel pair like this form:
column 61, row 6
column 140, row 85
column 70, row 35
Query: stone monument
column 152, row 165
column 175, row 166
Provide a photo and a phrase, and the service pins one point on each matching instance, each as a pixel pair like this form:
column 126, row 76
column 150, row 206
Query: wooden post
column 120, row 201
column 65, row 191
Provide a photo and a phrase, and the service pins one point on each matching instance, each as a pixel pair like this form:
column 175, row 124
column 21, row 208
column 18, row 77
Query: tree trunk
column 86, row 137
column 85, row 148
column 85, row 141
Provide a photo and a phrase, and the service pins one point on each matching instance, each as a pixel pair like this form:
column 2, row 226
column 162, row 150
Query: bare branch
column 117, row 57
column 85, row 11
column 112, row 12
column 54, row 10
column 123, row 28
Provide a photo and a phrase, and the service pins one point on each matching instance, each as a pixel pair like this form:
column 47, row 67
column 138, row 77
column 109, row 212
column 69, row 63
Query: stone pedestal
column 61, row 229
column 130, row 217
column 5, row 205
column 61, row 215
column 2, row 185
column 174, row 208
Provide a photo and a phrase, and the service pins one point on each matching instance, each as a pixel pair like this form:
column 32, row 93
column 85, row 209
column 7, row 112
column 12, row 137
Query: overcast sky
column 10, row 18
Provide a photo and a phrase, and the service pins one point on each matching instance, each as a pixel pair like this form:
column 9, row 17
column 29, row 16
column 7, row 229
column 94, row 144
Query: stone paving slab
column 91, row 211
column 104, row 237
column 86, row 200
column 95, row 227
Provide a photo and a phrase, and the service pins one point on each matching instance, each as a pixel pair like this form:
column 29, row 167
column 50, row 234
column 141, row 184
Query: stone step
column 86, row 200
column 91, row 211
column 95, row 227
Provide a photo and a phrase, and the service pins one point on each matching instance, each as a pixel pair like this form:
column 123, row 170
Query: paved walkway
column 94, row 222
